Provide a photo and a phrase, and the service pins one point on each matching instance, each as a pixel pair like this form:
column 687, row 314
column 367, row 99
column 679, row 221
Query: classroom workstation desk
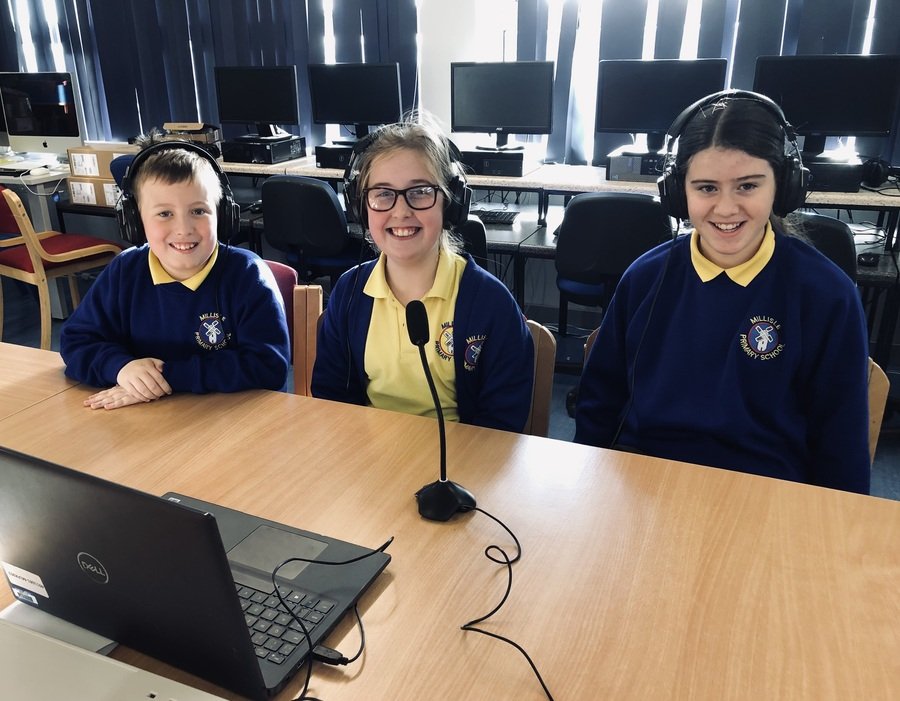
column 639, row 579
column 36, row 192
column 29, row 376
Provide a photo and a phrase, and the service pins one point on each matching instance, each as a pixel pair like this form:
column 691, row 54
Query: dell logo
column 93, row 568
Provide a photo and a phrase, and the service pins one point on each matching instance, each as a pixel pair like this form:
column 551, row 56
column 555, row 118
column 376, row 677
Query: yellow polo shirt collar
column 160, row 277
column 444, row 286
column 742, row 274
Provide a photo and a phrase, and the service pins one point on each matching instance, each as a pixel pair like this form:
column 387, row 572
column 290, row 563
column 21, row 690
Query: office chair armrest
column 81, row 253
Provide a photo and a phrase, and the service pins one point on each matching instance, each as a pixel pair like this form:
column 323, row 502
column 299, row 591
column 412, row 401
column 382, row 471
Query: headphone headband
column 128, row 215
column 791, row 183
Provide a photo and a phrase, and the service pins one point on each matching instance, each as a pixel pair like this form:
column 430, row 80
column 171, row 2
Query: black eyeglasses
column 381, row 199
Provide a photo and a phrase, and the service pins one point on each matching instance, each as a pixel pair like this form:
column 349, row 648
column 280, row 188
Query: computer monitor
column 262, row 95
column 514, row 97
column 361, row 94
column 42, row 112
column 645, row 97
column 832, row 95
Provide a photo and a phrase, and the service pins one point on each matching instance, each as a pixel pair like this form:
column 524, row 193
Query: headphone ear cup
column 671, row 192
column 875, row 172
column 456, row 213
column 791, row 192
column 229, row 217
column 129, row 219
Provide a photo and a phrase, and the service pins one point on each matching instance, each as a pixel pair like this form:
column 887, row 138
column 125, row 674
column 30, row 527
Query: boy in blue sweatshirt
column 182, row 312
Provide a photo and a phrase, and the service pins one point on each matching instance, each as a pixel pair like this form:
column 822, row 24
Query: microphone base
column 439, row 500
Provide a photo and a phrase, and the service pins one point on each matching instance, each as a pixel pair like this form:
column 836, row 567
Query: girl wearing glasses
column 407, row 192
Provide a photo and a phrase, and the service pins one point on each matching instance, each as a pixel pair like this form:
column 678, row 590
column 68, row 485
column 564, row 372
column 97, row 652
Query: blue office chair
column 303, row 218
column 601, row 234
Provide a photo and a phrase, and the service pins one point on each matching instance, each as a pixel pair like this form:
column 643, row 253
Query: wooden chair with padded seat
column 538, row 423
column 878, row 384
column 37, row 258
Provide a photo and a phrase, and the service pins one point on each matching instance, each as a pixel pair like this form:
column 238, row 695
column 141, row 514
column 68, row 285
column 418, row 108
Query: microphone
column 439, row 500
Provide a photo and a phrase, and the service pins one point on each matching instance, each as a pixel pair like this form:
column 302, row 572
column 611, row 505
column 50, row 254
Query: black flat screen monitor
column 361, row 94
column 262, row 95
column 832, row 95
column 645, row 97
column 515, row 97
column 41, row 112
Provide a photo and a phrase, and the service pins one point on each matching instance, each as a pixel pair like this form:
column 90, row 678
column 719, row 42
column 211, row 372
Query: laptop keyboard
column 497, row 216
column 274, row 632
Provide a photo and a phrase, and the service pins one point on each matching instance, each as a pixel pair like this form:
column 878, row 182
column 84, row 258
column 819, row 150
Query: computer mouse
column 256, row 207
column 43, row 170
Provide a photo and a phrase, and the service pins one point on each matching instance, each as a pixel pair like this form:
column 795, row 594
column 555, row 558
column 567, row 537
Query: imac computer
column 832, row 95
column 645, row 97
column 264, row 96
column 358, row 94
column 42, row 113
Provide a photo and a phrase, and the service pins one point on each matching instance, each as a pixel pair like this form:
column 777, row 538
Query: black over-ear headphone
column 129, row 217
column 456, row 210
column 790, row 185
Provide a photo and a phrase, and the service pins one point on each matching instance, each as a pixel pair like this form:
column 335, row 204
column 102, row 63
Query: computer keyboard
column 16, row 168
column 496, row 216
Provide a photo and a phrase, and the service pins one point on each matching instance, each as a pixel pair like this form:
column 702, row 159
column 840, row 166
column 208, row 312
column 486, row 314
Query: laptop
column 182, row 580
column 27, row 658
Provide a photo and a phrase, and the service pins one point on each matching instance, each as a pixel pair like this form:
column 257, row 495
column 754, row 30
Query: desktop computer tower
column 513, row 164
column 835, row 176
column 248, row 151
column 333, row 156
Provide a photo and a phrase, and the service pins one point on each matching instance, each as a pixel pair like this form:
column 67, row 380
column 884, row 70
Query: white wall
column 448, row 32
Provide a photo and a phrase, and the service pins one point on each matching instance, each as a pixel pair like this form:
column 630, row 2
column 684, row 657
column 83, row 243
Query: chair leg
column 1, row 310
column 563, row 314
column 44, row 298
column 74, row 292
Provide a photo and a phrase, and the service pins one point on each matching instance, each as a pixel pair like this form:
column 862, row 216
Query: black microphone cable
column 325, row 652
column 490, row 552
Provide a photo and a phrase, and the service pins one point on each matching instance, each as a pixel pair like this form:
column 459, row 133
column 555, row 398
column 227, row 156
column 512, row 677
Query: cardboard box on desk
column 101, row 192
column 92, row 160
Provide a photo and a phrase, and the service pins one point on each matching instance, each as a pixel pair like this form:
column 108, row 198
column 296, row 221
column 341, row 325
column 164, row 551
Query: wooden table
column 27, row 376
column 640, row 578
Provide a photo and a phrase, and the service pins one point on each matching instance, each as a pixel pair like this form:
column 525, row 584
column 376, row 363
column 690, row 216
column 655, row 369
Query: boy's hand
column 143, row 379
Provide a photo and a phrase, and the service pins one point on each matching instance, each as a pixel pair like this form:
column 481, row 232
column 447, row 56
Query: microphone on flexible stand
column 439, row 500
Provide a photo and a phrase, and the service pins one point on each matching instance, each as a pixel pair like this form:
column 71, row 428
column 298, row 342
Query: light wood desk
column 28, row 376
column 640, row 578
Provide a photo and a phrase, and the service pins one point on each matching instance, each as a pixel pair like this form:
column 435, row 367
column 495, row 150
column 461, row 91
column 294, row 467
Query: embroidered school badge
column 473, row 352
column 763, row 339
column 443, row 346
column 211, row 334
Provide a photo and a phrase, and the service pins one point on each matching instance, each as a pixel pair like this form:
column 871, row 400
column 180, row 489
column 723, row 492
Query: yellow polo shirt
column 392, row 364
column 742, row 274
column 160, row 277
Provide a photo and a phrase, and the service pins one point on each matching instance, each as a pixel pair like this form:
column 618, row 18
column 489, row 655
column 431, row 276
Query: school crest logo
column 763, row 339
column 473, row 352
column 210, row 333
column 443, row 346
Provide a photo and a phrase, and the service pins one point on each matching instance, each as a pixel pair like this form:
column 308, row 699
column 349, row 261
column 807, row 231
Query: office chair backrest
column 474, row 238
column 602, row 233
column 831, row 237
column 303, row 215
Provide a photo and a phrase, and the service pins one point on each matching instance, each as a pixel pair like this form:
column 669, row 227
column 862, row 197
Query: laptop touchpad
column 254, row 558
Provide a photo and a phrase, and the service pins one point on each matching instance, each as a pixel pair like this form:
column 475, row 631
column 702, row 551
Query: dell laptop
column 182, row 580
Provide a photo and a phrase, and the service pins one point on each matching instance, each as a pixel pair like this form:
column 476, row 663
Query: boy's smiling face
column 180, row 221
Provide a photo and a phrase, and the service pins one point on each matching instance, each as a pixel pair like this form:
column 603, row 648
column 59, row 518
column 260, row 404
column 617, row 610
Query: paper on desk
column 43, row 622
